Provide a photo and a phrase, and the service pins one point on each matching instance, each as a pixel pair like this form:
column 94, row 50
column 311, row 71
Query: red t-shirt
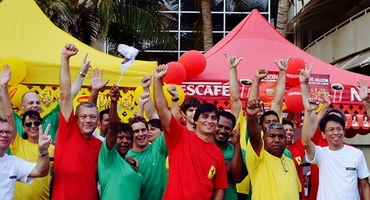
column 76, row 163
column 196, row 167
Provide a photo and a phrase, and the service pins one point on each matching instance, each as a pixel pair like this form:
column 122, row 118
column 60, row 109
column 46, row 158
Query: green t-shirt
column 51, row 118
column 153, row 168
column 230, row 192
column 117, row 178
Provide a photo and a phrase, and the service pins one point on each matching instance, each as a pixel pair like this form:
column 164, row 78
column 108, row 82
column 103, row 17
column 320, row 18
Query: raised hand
column 114, row 93
column 44, row 140
column 160, row 71
column 5, row 75
column 254, row 107
column 304, row 74
column 260, row 74
column 173, row 91
column 232, row 61
column 144, row 98
column 313, row 104
column 326, row 96
column 85, row 65
column 96, row 79
column 363, row 88
column 235, row 135
column 282, row 64
column 69, row 50
column 146, row 81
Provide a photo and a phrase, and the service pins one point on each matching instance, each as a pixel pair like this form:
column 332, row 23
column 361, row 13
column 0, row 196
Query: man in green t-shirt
column 233, row 154
column 152, row 159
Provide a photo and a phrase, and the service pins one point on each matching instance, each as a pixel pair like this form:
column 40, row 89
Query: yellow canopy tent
column 28, row 34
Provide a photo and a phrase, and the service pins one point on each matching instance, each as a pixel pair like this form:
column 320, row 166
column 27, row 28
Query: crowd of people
column 158, row 156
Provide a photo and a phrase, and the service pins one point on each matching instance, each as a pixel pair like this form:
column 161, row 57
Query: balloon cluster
column 190, row 64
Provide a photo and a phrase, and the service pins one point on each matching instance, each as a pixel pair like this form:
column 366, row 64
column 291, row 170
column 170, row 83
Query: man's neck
column 139, row 149
column 221, row 145
column 190, row 127
column 87, row 136
column 334, row 148
column 204, row 137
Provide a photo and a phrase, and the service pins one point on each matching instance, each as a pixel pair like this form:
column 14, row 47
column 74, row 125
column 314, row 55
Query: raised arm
column 175, row 101
column 96, row 80
column 148, row 107
column 77, row 83
column 277, row 103
column 260, row 74
column 236, row 104
column 6, row 111
column 326, row 96
column 309, row 126
column 254, row 106
column 43, row 162
column 143, row 99
column 112, row 134
column 159, row 98
column 237, row 168
column 66, row 104
column 304, row 77
column 363, row 88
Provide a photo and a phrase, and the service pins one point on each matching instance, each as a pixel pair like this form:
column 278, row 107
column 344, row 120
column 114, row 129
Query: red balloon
column 293, row 100
column 194, row 63
column 292, row 73
column 176, row 73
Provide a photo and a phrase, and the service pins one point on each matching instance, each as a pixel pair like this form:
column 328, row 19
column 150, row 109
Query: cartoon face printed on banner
column 128, row 101
column 102, row 100
column 47, row 95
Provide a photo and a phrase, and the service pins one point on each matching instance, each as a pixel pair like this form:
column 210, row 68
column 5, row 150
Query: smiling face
column 31, row 126
column 124, row 143
column 289, row 134
column 31, row 101
column 154, row 133
column 334, row 134
column 140, row 136
column 206, row 123
column 87, row 119
column 223, row 130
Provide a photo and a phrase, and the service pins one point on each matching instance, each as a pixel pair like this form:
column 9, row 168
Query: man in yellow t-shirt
column 273, row 175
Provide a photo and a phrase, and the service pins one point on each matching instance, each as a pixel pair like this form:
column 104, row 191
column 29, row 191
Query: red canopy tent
column 260, row 44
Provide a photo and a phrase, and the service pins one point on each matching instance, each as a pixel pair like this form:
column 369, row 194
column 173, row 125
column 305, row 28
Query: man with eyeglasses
column 76, row 150
column 341, row 167
column 273, row 175
column 14, row 169
column 152, row 159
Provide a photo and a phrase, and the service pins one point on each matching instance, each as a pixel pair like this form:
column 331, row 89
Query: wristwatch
column 175, row 99
column 82, row 74
column 43, row 155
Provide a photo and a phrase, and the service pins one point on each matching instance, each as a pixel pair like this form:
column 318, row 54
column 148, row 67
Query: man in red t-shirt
column 197, row 166
column 76, row 150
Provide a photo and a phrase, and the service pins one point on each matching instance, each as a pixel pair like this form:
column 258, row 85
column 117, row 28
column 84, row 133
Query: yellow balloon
column 15, row 94
column 17, row 67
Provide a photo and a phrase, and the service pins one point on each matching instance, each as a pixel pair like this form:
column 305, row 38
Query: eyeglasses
column 285, row 166
column 7, row 132
column 36, row 123
column 332, row 129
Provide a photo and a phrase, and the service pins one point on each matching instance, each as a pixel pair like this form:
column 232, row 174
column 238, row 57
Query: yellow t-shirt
column 28, row 151
column 271, row 178
column 243, row 187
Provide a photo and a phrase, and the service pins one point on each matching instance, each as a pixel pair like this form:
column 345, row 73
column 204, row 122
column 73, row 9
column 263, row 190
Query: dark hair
column 190, row 102
column 270, row 112
column 87, row 105
column 228, row 115
column 137, row 119
column 205, row 108
column 334, row 110
column 32, row 115
column 102, row 113
column 289, row 122
column 334, row 118
column 155, row 123
column 125, row 127
column 274, row 125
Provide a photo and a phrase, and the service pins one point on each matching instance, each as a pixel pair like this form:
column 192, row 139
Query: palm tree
column 282, row 16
